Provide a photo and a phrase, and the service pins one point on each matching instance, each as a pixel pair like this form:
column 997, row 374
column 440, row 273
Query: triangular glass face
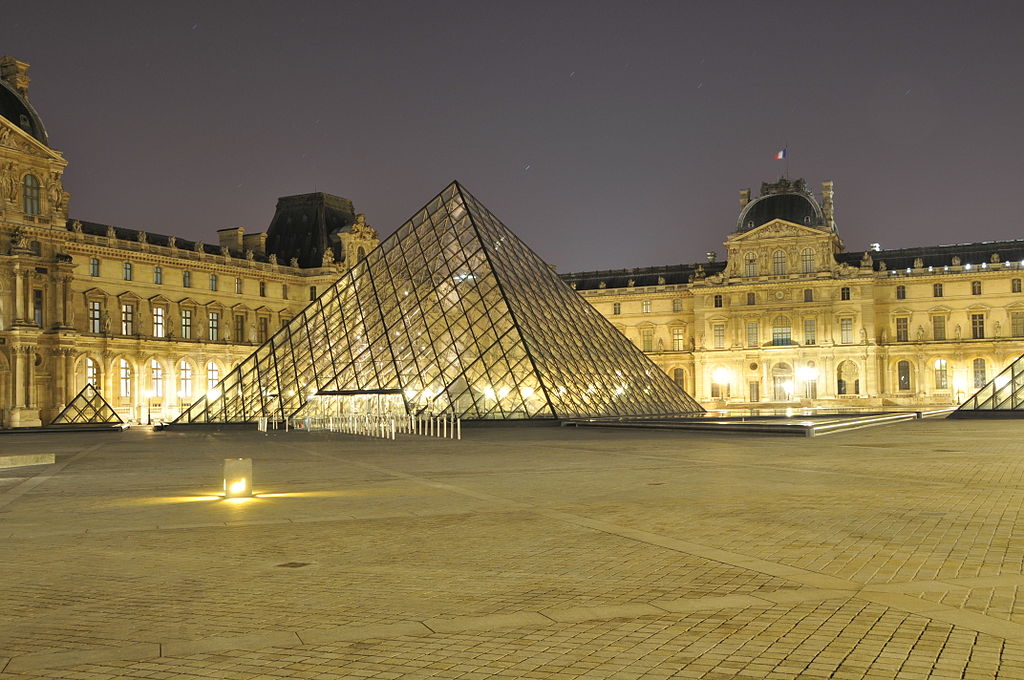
column 88, row 406
column 457, row 313
column 1004, row 393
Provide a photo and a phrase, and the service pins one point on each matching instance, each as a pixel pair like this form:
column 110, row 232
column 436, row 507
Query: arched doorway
column 847, row 378
column 782, row 382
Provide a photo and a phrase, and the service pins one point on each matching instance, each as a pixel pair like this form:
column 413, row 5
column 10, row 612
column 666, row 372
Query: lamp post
column 149, row 407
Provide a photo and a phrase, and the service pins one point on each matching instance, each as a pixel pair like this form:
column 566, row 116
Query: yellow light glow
column 527, row 392
column 237, row 487
column 213, row 394
column 503, row 392
column 1001, row 381
column 721, row 376
column 489, row 392
column 807, row 373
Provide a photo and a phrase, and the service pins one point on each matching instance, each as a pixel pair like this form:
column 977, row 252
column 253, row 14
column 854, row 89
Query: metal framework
column 463, row 318
column 88, row 407
column 1003, row 396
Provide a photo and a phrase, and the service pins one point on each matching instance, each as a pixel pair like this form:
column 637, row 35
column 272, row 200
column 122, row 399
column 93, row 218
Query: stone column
column 69, row 375
column 18, row 375
column 19, row 296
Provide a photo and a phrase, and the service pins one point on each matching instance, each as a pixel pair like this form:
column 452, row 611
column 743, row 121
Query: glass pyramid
column 459, row 316
column 1002, row 396
column 88, row 406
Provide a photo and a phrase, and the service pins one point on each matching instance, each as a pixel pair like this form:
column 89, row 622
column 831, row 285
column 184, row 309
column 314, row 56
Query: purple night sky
column 605, row 134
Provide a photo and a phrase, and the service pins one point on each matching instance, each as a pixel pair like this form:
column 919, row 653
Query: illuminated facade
column 152, row 321
column 789, row 318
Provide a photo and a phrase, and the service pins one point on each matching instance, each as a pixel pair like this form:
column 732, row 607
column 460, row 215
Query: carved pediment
column 128, row 295
column 13, row 137
column 777, row 229
column 188, row 302
column 159, row 300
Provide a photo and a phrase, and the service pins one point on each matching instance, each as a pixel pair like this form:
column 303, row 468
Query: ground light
column 237, row 477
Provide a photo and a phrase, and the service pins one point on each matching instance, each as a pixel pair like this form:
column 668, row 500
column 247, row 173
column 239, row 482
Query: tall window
column 977, row 326
column 679, row 377
column 238, row 286
column 903, row 376
column 214, row 326
column 158, row 274
column 616, row 308
column 782, row 333
column 979, row 374
column 719, row 334
column 678, row 339
column 975, row 287
column 95, row 316
column 186, row 279
column 941, row 375
column 901, row 292
column 30, row 195
column 751, row 298
column 718, row 301
column 94, row 266
column 750, row 264
column 778, row 263
column 844, row 293
column 645, row 306
column 212, row 375
column 239, row 328
column 284, row 291
column 263, row 330
column 37, row 307
column 1015, row 286
column 263, row 289
column 753, row 334
column 184, row 379
column 312, row 293
column 937, row 290
column 125, row 378
column 647, row 340
column 156, row 378
column 91, row 372
column 808, row 295
column 939, row 327
column 807, row 261
column 186, row 324
column 213, row 282
column 810, row 331
column 126, row 268
column 1017, row 324
column 846, row 330
column 902, row 329
column 158, row 322
column 677, row 305
column 127, row 319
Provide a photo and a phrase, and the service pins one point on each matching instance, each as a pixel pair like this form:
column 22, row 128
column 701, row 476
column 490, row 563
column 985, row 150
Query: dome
column 783, row 200
column 15, row 109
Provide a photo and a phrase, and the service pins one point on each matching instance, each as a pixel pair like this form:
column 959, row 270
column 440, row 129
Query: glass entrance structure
column 459, row 316
column 88, row 407
column 1002, row 397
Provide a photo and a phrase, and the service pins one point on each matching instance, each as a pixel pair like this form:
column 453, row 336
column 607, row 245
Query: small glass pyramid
column 1003, row 396
column 461, row 317
column 88, row 407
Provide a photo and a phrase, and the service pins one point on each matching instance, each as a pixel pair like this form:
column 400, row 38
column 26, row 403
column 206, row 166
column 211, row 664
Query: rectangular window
column 753, row 334
column 810, row 331
column 941, row 375
column 239, row 328
column 902, row 329
column 1017, row 324
column 186, row 279
column 1015, row 286
column 214, row 326
column 616, row 308
column 937, row 290
column 156, row 378
column 977, row 326
column 719, row 334
column 677, row 305
column 158, row 322
column 213, row 282
column 678, row 339
column 646, row 306
column 186, row 324
column 263, row 289
column 127, row 319
column 751, row 299
column 263, row 330
column 125, row 371
column 37, row 307
column 844, row 293
column 312, row 293
column 846, row 330
column 95, row 316
column 158, row 276
column 238, row 286
column 94, row 266
column 808, row 295
column 127, row 266
column 939, row 327
column 284, row 291
column 647, row 340
column 782, row 335
column 718, row 301
column 901, row 292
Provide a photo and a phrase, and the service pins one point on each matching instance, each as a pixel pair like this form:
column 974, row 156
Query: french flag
column 781, row 154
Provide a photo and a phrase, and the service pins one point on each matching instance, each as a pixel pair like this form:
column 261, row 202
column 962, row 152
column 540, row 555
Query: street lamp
column 149, row 407
column 721, row 377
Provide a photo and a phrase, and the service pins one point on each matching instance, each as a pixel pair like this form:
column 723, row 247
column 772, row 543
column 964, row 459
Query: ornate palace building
column 153, row 321
column 791, row 319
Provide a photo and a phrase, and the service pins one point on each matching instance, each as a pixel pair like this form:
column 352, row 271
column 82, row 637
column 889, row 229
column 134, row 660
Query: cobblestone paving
column 535, row 552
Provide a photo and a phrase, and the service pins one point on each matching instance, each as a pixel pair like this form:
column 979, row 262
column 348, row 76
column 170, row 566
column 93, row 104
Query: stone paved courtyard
column 518, row 552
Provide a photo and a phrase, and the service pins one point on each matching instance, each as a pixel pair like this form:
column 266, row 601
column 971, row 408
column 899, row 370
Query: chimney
column 826, row 204
column 16, row 73
column 231, row 238
column 744, row 197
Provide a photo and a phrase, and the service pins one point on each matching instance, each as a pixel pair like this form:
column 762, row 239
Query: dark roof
column 123, row 234
column 973, row 254
column 642, row 276
column 16, row 109
column 795, row 208
column 306, row 225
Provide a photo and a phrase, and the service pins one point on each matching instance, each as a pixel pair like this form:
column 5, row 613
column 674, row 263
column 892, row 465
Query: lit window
column 213, row 282
column 937, row 290
column 127, row 271
column 939, row 327
column 214, row 326
column 156, row 378
column 846, row 330
column 91, row 372
column 750, row 264
column 1017, row 324
column 810, row 331
column 844, row 293
column 616, row 308
column 719, row 335
column 95, row 317
column 753, row 334
column 902, row 329
column 158, row 275
column 646, row 306
column 977, row 326
column 975, row 287
column 125, row 378
column 37, row 307
column 778, row 263
column 186, row 279
column 30, row 195
column 127, row 319
column 782, row 333
column 808, row 295
column 212, row 375
column 647, row 340
column 941, row 375
column 186, row 324
column 901, row 292
column 184, row 379
column 678, row 339
column 807, row 261
column 158, row 322
column 718, row 301
column 979, row 374
column 94, row 266
column 903, row 376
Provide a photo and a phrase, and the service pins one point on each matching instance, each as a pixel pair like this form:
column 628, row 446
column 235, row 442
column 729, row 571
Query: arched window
column 91, row 373
column 125, row 378
column 156, row 378
column 212, row 375
column 979, row 374
column 750, row 264
column 779, row 263
column 847, row 378
column 362, row 253
column 184, row 379
column 30, row 195
column 975, row 287
column 903, row 376
column 782, row 332
column 807, row 261
column 679, row 378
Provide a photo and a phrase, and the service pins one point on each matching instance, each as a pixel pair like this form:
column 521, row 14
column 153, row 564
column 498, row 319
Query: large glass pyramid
column 1003, row 396
column 88, row 407
column 459, row 316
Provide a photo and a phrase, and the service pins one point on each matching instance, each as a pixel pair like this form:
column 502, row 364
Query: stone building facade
column 153, row 321
column 790, row 318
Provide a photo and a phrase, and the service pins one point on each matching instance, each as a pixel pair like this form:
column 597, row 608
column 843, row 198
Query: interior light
column 1001, row 380
column 721, row 376
column 237, row 477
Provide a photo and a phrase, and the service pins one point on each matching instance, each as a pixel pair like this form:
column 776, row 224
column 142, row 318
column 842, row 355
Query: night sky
column 605, row 134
